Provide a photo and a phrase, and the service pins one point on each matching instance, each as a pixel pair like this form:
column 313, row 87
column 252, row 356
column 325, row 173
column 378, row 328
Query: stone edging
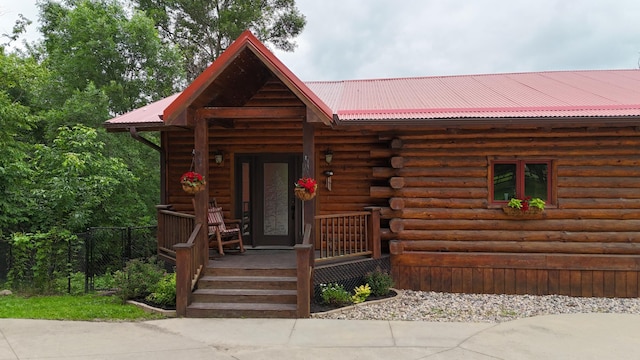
column 346, row 308
column 154, row 310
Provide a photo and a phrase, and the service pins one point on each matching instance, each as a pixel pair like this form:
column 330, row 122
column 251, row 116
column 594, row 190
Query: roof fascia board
column 497, row 122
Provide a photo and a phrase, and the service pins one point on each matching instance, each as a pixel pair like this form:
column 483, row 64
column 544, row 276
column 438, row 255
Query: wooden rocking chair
column 222, row 232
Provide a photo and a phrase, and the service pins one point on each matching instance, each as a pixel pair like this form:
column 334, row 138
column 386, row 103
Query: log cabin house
column 418, row 168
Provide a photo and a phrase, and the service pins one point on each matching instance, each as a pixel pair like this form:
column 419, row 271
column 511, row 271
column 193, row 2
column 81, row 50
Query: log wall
column 448, row 236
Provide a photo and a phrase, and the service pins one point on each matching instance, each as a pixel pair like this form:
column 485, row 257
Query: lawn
column 86, row 308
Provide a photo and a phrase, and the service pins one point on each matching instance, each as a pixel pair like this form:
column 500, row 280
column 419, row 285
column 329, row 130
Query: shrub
column 379, row 281
column 361, row 293
column 39, row 259
column 164, row 293
column 334, row 294
column 77, row 284
column 138, row 279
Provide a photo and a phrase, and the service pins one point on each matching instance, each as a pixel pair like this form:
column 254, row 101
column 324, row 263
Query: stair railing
column 179, row 240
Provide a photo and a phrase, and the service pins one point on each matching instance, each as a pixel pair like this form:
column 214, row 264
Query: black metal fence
column 100, row 251
column 107, row 249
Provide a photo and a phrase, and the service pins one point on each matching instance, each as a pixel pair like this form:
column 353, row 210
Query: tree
column 97, row 42
column 203, row 29
column 76, row 186
column 18, row 79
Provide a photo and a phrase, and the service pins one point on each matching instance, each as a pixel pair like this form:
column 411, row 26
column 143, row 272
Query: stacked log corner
column 447, row 236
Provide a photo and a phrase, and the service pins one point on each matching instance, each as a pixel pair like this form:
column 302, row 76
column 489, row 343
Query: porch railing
column 179, row 238
column 348, row 235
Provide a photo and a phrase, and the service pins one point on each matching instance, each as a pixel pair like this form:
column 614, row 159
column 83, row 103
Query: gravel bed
column 445, row 307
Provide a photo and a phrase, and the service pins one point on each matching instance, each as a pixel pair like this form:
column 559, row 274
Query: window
column 520, row 178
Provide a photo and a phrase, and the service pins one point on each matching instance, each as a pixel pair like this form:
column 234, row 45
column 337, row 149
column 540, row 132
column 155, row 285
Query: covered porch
column 263, row 282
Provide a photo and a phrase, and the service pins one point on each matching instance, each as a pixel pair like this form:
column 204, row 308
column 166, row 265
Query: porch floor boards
column 255, row 259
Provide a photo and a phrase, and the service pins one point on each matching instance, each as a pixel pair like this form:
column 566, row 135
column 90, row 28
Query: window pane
column 535, row 180
column 504, row 181
column 276, row 201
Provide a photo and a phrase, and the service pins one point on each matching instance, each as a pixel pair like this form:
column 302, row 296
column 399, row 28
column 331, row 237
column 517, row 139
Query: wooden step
column 219, row 271
column 271, row 296
column 241, row 310
column 248, row 282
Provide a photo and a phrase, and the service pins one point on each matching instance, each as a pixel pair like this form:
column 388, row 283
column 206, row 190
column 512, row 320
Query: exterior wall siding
column 448, row 236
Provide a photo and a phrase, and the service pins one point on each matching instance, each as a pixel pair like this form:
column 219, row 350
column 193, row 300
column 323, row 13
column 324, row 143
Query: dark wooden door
column 266, row 194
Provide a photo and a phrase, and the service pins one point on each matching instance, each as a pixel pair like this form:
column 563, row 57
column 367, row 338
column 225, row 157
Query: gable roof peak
column 175, row 113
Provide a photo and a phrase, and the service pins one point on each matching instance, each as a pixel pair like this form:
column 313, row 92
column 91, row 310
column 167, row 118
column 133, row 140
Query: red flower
column 309, row 184
column 191, row 178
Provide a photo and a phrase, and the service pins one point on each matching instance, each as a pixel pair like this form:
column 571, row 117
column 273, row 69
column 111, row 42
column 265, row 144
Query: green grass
column 87, row 308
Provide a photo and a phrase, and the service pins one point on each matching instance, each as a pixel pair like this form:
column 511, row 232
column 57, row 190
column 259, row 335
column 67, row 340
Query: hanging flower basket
column 192, row 182
column 306, row 189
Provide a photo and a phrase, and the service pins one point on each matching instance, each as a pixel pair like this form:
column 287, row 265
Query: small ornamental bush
column 138, row 279
column 165, row 292
column 361, row 293
column 379, row 281
column 334, row 294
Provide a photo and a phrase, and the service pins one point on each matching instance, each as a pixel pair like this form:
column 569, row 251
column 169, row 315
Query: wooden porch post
column 374, row 232
column 309, row 159
column 183, row 279
column 201, row 143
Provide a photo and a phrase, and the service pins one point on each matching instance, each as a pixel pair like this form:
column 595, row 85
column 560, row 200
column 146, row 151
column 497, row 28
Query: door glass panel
column 535, row 180
column 246, row 201
column 504, row 181
column 276, row 199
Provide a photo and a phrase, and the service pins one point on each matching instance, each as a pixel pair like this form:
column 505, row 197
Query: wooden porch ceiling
column 236, row 84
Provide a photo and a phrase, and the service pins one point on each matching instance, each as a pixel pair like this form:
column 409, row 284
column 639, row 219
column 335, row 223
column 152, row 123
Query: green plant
column 379, row 281
column 334, row 294
column 164, row 293
column 39, row 259
column 138, row 279
column 526, row 203
column 361, row 293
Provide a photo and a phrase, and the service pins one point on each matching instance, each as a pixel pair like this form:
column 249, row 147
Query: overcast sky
column 358, row 39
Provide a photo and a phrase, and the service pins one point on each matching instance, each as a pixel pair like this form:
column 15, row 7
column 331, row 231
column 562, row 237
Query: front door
column 268, row 206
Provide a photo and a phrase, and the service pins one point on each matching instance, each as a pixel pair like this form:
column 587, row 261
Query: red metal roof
column 603, row 93
column 147, row 115
column 425, row 100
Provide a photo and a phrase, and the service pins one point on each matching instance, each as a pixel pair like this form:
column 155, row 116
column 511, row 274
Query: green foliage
column 537, row 202
column 100, row 282
column 334, row 294
column 74, row 282
column 204, row 29
column 80, row 308
column 99, row 42
column 74, row 181
column 138, row 279
column 515, row 203
column 361, row 293
column 380, row 282
column 164, row 293
column 41, row 258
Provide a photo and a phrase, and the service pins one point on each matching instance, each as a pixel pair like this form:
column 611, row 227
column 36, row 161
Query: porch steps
column 245, row 293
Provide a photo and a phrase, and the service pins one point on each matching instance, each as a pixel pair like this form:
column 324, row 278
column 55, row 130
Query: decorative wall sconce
column 328, row 156
column 218, row 157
